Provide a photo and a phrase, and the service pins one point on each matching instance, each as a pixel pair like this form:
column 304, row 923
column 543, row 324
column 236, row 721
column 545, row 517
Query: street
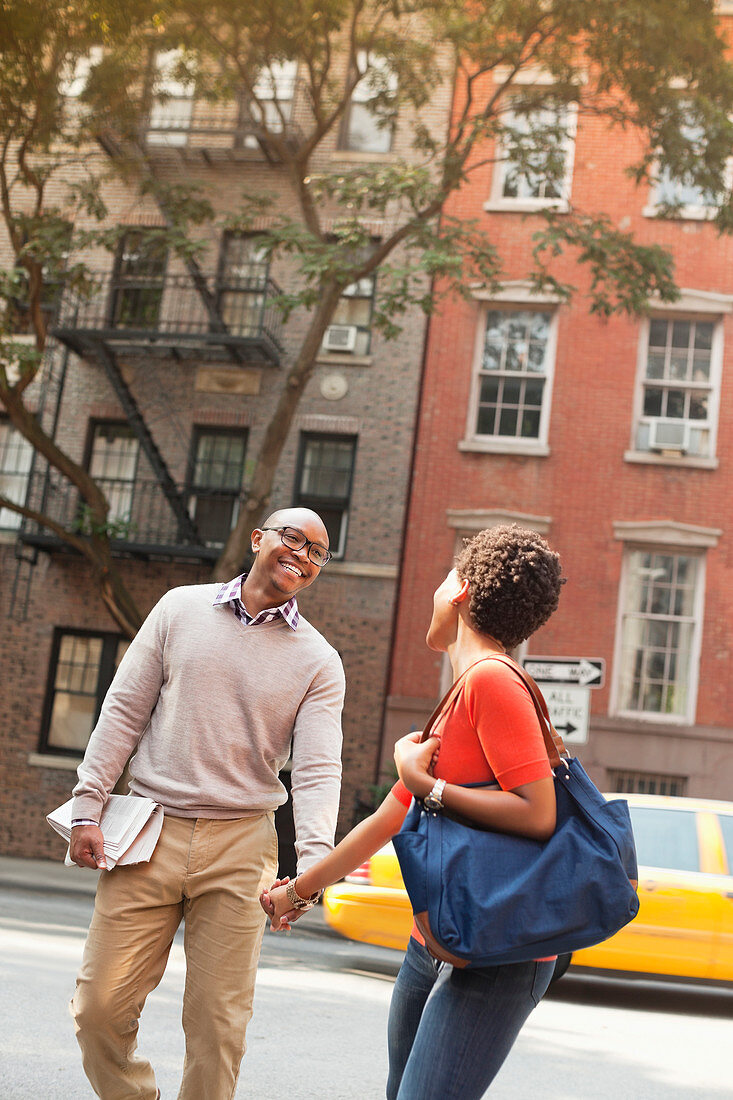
column 319, row 1022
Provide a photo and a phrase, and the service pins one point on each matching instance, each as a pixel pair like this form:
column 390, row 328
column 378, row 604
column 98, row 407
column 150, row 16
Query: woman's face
column 444, row 623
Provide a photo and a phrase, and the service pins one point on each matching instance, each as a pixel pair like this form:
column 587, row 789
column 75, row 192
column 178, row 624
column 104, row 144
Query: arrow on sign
column 585, row 671
column 567, row 729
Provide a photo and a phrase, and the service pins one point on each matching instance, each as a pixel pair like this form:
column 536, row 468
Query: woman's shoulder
column 492, row 670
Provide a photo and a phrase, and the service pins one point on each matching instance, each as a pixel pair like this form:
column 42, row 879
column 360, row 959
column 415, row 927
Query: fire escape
column 148, row 306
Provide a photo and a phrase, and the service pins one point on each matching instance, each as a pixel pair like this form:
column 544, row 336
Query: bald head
column 298, row 517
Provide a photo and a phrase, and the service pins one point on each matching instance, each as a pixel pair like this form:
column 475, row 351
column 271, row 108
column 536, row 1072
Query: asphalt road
column 319, row 1022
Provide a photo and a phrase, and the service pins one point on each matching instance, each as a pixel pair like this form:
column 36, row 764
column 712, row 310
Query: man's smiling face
column 279, row 568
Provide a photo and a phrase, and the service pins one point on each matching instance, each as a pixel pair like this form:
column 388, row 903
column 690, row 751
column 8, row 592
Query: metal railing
column 140, row 520
column 172, row 309
column 186, row 123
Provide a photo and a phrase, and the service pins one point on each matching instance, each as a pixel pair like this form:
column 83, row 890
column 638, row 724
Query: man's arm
column 316, row 767
column 123, row 719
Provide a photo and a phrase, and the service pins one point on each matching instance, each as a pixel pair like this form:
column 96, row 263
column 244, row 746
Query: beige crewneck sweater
column 210, row 707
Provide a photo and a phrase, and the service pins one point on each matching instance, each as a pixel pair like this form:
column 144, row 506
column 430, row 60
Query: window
column 350, row 328
column 82, row 668
column 139, row 278
column 215, row 482
column 625, row 782
column 680, row 196
column 113, row 456
column 510, row 394
column 659, row 634
column 272, row 105
column 172, row 109
column 325, row 472
column 369, row 123
column 58, row 242
column 16, row 458
column 665, row 838
column 726, row 828
column 679, row 378
column 74, row 78
column 535, row 158
column 243, row 270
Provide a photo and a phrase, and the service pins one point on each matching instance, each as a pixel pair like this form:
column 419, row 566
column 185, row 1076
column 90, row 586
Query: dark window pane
column 653, row 402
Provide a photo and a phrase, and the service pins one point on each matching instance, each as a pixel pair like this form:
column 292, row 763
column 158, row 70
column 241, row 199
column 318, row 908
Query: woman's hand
column 415, row 761
column 278, row 907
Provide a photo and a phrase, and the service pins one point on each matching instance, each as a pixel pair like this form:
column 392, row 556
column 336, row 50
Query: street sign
column 585, row 671
column 569, row 709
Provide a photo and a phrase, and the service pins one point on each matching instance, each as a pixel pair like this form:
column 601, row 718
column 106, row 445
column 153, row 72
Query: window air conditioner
column 340, row 338
column 669, row 435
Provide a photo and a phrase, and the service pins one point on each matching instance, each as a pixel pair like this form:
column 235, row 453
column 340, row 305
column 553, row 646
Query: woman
column 451, row 1029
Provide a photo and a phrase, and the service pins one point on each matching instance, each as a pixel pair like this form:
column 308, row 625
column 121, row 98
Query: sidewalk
column 52, row 876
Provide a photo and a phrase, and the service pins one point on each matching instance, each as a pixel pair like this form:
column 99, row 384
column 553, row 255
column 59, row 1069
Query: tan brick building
column 165, row 401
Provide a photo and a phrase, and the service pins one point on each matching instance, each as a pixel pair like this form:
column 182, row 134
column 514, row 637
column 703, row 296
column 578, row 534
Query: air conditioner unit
column 669, row 435
column 340, row 338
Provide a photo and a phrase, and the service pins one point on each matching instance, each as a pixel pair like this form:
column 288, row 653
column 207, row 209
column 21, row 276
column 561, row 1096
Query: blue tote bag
column 483, row 898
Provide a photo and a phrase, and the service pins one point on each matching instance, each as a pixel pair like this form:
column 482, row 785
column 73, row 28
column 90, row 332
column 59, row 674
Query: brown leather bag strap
column 553, row 741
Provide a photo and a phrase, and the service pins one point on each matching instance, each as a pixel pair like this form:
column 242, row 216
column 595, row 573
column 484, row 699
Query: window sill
column 361, row 569
column 48, row 760
column 526, row 206
column 342, row 359
column 684, row 214
column 671, row 720
column 690, row 462
column 522, row 448
column 356, row 156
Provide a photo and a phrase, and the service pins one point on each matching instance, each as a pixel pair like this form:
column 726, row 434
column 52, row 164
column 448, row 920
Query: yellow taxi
column 684, row 927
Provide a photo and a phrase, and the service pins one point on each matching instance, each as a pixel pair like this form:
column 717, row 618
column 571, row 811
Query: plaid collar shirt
column 231, row 593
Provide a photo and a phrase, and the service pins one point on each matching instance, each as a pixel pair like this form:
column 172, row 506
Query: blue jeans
column 450, row 1030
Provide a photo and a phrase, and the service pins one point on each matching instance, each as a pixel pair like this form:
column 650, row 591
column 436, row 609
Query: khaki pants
column 210, row 873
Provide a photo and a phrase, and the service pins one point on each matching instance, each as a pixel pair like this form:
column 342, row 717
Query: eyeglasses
column 296, row 540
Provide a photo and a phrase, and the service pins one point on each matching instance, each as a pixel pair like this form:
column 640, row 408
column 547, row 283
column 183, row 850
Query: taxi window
column 665, row 838
column 726, row 828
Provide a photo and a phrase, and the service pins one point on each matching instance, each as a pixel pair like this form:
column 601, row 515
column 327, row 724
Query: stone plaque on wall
column 244, row 380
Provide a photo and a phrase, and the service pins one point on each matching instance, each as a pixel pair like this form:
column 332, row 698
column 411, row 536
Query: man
column 219, row 683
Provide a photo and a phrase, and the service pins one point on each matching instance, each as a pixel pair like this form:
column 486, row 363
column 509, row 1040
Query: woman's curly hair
column 515, row 581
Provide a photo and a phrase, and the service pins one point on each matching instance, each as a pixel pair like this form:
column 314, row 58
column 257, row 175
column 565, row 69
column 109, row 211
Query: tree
column 624, row 60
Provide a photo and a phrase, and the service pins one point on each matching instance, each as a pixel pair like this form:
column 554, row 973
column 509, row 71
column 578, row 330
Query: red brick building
column 615, row 440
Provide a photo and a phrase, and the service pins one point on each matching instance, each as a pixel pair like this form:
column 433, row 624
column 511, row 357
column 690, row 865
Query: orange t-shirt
column 488, row 733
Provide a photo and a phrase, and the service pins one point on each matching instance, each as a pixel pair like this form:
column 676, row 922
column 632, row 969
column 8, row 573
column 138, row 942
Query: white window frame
column 472, row 441
column 75, row 75
column 677, row 540
column 497, row 200
column 272, row 105
column 170, row 118
column 693, row 211
column 696, row 307
column 14, row 481
column 362, row 95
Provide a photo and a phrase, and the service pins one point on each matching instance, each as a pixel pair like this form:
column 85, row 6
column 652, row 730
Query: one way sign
column 584, row 671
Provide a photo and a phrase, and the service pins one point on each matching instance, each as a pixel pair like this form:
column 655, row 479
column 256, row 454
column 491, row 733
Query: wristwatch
column 434, row 800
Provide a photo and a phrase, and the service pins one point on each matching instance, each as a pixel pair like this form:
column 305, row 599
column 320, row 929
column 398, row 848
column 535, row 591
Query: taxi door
column 674, row 930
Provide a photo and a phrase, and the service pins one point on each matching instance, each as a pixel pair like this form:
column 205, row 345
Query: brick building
column 615, row 440
column 166, row 404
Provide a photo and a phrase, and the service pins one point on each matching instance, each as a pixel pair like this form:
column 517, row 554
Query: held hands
column 276, row 904
column 415, row 762
column 86, row 847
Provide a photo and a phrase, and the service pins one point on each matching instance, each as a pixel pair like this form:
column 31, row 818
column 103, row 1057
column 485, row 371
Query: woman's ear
column 461, row 594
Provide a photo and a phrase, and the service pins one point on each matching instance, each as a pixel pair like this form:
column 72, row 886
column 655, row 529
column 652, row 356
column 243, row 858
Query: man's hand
column 86, row 847
column 276, row 904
